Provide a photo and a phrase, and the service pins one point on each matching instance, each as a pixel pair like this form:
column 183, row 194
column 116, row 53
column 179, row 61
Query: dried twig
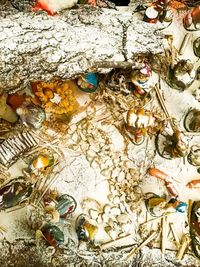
column 135, row 250
column 177, row 241
column 184, row 244
column 157, row 218
column 164, row 234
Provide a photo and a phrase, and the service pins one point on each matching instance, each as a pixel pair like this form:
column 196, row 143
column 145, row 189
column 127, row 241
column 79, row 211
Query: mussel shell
column 53, row 235
column 195, row 229
column 152, row 201
column 66, row 205
column 181, row 81
column 14, row 193
column 194, row 156
column 196, row 47
column 84, row 229
column 192, row 121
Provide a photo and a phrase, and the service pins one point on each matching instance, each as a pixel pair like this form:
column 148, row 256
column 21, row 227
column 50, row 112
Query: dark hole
column 121, row 2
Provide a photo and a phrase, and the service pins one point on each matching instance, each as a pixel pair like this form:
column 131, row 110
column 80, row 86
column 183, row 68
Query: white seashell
column 105, row 218
column 116, row 200
column 99, row 219
column 115, row 211
column 123, row 218
column 107, row 208
column 93, row 214
column 126, row 227
column 121, row 177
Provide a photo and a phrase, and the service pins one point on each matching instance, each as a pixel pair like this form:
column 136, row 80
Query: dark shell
column 84, row 229
column 66, row 205
column 192, row 121
column 169, row 147
column 182, row 75
column 14, row 193
column 53, row 235
column 152, row 201
column 196, row 47
column 194, row 156
column 195, row 228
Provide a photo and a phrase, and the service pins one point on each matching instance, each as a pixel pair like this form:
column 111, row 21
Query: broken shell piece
column 93, row 214
column 99, row 219
column 111, row 232
column 105, row 218
column 6, row 112
column 107, row 209
column 126, row 227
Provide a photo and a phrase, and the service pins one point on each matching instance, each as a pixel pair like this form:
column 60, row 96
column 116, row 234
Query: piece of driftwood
column 35, row 46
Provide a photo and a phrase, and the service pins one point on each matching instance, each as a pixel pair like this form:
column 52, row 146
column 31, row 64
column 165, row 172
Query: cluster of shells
column 124, row 192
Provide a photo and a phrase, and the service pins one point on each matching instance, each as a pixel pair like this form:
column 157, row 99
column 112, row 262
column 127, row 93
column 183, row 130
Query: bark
column 35, row 46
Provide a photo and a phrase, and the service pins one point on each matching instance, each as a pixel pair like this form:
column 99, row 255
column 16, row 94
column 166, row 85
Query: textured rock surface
column 38, row 46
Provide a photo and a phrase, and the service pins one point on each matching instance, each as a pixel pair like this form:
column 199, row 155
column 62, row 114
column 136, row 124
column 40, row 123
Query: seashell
column 194, row 155
column 126, row 227
column 121, row 177
column 182, row 75
column 84, row 229
column 105, row 218
column 14, row 192
column 115, row 211
column 99, row 219
column 192, row 121
column 196, row 47
column 195, row 228
column 53, row 235
column 31, row 115
column 116, row 200
column 93, row 214
column 66, row 204
column 123, row 218
column 107, row 208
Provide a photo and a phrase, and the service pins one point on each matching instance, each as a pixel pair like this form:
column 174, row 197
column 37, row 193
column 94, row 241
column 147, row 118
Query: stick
column 177, row 241
column 135, row 250
column 190, row 203
column 164, row 234
column 162, row 103
column 184, row 244
column 155, row 219
column 115, row 242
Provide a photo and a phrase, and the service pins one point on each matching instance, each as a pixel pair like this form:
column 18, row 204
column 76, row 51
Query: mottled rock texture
column 37, row 46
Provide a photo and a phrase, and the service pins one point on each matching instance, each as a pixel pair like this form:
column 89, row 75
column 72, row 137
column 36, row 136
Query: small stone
column 93, row 214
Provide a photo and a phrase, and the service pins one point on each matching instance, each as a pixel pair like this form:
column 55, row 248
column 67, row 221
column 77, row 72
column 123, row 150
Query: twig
column 162, row 103
column 157, row 218
column 115, row 242
column 164, row 234
column 135, row 250
column 184, row 244
column 190, row 203
column 177, row 241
